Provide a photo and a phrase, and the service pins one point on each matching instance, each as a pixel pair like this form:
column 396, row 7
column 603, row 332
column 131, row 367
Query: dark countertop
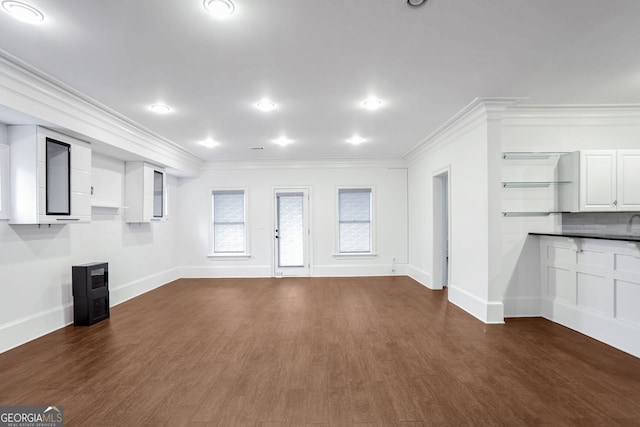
column 635, row 238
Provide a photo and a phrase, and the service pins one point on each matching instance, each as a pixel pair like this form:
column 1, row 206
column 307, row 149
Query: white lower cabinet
column 593, row 287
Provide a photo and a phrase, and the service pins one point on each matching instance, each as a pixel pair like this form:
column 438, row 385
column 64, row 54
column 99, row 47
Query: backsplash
column 611, row 223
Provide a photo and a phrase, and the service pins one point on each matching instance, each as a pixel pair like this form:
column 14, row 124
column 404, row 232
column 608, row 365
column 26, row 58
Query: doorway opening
column 292, row 233
column 441, row 229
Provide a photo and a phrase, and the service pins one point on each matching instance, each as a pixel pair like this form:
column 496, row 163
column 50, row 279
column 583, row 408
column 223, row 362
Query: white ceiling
column 319, row 59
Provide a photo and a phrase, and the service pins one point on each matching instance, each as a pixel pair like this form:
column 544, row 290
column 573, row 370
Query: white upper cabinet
column 598, row 180
column 602, row 181
column 628, row 180
column 50, row 177
column 145, row 192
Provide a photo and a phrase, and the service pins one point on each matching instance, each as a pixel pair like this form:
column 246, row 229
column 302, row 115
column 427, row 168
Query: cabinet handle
column 67, row 219
column 615, row 203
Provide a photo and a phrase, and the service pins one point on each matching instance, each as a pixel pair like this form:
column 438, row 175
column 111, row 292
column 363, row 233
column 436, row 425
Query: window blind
column 228, row 222
column 354, row 207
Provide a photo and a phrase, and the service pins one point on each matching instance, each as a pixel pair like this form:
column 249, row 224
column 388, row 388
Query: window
column 354, row 221
column 229, row 227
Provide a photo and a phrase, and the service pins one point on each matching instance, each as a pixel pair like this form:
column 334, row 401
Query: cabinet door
column 628, row 180
column 58, row 177
column 598, row 180
column 147, row 184
column 158, row 194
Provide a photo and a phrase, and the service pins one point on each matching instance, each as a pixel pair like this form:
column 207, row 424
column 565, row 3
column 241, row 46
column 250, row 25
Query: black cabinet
column 90, row 293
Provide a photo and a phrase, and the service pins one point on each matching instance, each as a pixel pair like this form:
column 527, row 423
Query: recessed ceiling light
column 282, row 141
column 219, row 8
column 23, row 12
column 209, row 143
column 160, row 108
column 266, row 105
column 356, row 140
column 416, row 3
column 372, row 104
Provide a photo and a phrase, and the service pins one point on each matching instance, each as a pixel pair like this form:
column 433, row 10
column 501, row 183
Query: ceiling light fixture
column 23, row 12
column 282, row 141
column 356, row 140
column 209, row 143
column 416, row 3
column 372, row 104
column 160, row 108
column 266, row 105
column 219, row 8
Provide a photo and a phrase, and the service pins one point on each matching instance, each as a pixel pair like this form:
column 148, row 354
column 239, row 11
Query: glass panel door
column 58, row 177
column 158, row 194
column 291, row 233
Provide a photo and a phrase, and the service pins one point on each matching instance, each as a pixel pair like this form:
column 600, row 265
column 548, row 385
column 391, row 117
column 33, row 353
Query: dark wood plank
column 368, row 351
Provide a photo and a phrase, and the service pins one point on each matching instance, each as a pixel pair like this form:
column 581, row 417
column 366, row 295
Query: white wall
column 390, row 212
column 464, row 150
column 554, row 130
column 5, row 173
column 35, row 262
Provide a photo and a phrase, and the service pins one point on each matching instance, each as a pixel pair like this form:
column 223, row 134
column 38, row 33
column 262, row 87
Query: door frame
column 274, row 225
column 441, row 185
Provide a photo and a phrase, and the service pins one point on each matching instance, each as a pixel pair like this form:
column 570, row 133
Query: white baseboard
column 421, row 276
column 204, row 272
column 491, row 312
column 522, row 307
column 200, row 272
column 28, row 328
column 356, row 270
column 621, row 335
column 138, row 287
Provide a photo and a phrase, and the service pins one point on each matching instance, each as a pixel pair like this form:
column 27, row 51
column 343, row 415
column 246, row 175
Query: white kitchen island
column 591, row 283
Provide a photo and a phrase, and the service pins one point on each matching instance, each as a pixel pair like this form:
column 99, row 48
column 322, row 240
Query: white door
column 629, row 180
column 598, row 180
column 445, row 228
column 291, row 232
column 441, row 230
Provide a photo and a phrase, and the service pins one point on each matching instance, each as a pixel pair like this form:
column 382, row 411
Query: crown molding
column 574, row 110
column 567, row 115
column 306, row 164
column 477, row 111
column 30, row 91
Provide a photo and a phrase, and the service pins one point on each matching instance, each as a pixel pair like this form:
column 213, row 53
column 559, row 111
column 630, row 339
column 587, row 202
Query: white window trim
column 363, row 255
column 355, row 255
column 5, row 176
column 229, row 255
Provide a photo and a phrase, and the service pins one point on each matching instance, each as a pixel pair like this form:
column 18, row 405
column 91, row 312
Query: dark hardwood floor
column 381, row 351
